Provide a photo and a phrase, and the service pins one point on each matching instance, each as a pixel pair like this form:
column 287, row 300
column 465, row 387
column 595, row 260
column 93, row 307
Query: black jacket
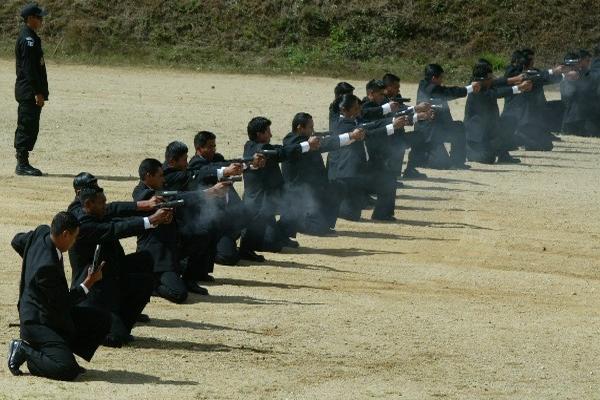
column 351, row 161
column 527, row 108
column 106, row 232
column 262, row 187
column 44, row 295
column 309, row 168
column 31, row 67
column 161, row 242
column 482, row 115
column 579, row 98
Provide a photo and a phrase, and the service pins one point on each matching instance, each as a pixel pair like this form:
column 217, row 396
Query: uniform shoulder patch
column 30, row 41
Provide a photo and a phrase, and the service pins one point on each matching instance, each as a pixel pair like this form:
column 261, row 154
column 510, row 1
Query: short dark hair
column 584, row 53
column 343, row 88
column 300, row 119
column 63, row 221
column 149, row 166
column 256, row 126
column 432, row 71
column 348, row 100
column 518, row 58
column 375, row 84
column 202, row 138
column 90, row 193
column 481, row 70
column 175, row 150
column 389, row 79
column 84, row 179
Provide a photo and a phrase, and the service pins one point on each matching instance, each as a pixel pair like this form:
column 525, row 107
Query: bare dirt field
column 487, row 287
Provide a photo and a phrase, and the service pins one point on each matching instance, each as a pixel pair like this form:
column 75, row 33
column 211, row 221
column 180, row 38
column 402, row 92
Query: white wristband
column 516, row 90
column 469, row 89
column 147, row 224
column 345, row 139
column 85, row 289
column 390, row 129
column 220, row 173
column 387, row 108
column 415, row 118
column 305, row 147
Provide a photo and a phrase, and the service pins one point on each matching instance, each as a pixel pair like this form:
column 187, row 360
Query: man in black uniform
column 161, row 243
column 128, row 279
column 349, row 168
column 235, row 216
column 310, row 203
column 31, row 88
column 578, row 94
column 530, row 117
column 488, row 141
column 52, row 328
column 199, row 222
column 443, row 128
column 263, row 189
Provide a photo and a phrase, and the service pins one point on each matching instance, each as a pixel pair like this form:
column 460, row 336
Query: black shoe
column 16, row 356
column 414, row 174
column 27, row 170
column 461, row 166
column 292, row 244
column 143, row 318
column 207, row 278
column 82, row 370
column 250, row 255
column 111, row 341
column 128, row 339
column 507, row 159
column 390, row 218
column 193, row 287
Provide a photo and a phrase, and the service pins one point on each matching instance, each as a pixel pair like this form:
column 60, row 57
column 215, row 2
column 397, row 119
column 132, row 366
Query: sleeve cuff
column 551, row 71
column 345, row 139
column 516, row 90
column 305, row 147
column 85, row 289
column 387, row 108
column 469, row 89
column 220, row 173
column 415, row 118
column 147, row 224
column 390, row 129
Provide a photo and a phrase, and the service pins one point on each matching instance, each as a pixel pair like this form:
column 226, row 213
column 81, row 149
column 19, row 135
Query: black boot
column 23, row 166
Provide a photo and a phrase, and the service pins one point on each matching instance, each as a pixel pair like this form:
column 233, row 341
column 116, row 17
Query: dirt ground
column 487, row 287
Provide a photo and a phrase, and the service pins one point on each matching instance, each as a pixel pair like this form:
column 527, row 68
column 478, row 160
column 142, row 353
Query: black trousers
column 453, row 133
column 227, row 250
column 28, row 125
column 51, row 355
column 199, row 253
column 352, row 190
column 263, row 233
column 310, row 210
column 170, row 286
column 419, row 148
column 136, row 284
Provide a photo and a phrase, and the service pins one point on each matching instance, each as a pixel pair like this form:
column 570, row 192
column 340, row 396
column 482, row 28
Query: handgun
column 232, row 179
column 166, row 193
column 96, row 261
column 170, row 204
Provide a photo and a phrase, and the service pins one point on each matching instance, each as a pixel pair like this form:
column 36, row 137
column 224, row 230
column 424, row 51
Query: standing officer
column 31, row 88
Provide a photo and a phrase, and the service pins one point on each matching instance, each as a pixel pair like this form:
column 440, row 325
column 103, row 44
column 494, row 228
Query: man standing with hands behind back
column 31, row 87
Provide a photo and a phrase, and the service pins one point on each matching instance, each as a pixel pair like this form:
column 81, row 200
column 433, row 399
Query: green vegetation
column 318, row 37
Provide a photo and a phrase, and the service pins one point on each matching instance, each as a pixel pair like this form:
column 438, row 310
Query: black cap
column 85, row 180
column 33, row 10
